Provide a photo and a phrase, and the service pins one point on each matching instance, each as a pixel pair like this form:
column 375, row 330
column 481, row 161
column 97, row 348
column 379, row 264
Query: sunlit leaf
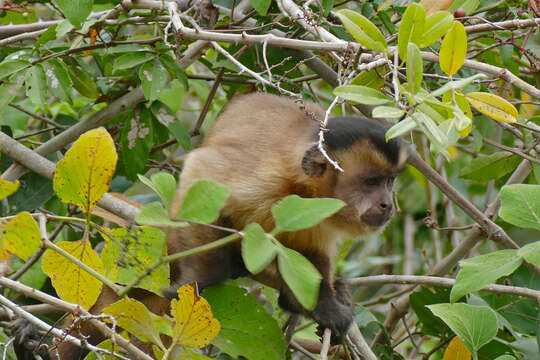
column 203, row 201
column 361, row 94
column 531, row 253
column 433, row 6
column 84, row 174
column 411, row 28
column 435, row 27
column 300, row 275
column 257, row 249
column 453, row 49
column 401, row 128
column 493, row 106
column 414, row 68
column 295, row 213
column 362, row 30
column 194, row 324
column 134, row 317
column 390, row 112
column 154, row 214
column 72, row 283
column 19, row 236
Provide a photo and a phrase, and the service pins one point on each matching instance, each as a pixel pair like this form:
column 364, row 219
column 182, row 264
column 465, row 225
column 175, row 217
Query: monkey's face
column 366, row 187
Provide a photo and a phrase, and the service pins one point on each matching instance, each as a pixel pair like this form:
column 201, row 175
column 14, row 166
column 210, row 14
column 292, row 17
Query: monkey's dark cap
column 344, row 131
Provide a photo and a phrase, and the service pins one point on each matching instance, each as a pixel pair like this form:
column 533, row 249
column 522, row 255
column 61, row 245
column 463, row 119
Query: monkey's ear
column 313, row 162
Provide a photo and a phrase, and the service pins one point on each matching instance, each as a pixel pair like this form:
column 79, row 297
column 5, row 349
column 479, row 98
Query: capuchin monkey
column 263, row 148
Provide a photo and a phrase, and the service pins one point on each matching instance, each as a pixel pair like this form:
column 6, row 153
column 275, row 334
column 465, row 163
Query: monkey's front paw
column 334, row 316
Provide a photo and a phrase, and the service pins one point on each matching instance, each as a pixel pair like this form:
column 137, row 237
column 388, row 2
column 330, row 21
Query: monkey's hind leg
column 207, row 268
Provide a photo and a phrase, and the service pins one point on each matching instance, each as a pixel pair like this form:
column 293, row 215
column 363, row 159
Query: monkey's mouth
column 375, row 220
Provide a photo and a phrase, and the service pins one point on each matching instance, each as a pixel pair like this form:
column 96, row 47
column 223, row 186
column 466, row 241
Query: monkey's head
column 370, row 167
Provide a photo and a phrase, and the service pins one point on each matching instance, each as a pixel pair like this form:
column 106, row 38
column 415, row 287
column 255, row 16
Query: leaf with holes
column 72, row 283
column 83, row 175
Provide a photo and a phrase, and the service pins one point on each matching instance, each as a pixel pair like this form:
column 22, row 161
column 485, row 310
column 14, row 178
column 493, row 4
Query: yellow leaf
column 194, row 325
column 134, row 317
column 72, row 283
column 19, row 236
column 456, row 351
column 7, row 188
column 84, row 174
column 493, row 106
column 453, row 49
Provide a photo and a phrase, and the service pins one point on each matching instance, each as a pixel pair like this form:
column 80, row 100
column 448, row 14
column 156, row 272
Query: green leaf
column 180, row 133
column 295, row 213
column 34, row 191
column 361, row 94
column 58, row 80
column 261, row 6
column 414, row 68
column 76, row 11
column 491, row 167
column 247, row 330
column 453, row 49
column 11, row 67
column 520, row 205
column 432, row 131
column 300, row 275
column 137, row 139
column 327, row 6
column 203, row 201
column 129, row 252
column 411, row 28
column 130, row 60
column 163, row 184
column 459, row 84
column 401, row 128
column 531, row 253
column 154, row 214
column 363, row 30
column 9, row 89
column 390, row 112
column 435, row 27
column 480, row 271
column 36, row 85
column 372, row 78
column 430, row 324
column 153, row 79
column 475, row 325
column 173, row 95
column 83, row 83
column 19, row 236
column 257, row 249
column 48, row 35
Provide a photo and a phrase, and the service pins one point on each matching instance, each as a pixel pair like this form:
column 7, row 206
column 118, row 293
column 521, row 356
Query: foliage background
column 157, row 91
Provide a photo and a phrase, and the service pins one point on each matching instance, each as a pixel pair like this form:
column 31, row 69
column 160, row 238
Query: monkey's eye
column 374, row 181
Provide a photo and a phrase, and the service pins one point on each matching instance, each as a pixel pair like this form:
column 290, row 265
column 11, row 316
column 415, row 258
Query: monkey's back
column 255, row 148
